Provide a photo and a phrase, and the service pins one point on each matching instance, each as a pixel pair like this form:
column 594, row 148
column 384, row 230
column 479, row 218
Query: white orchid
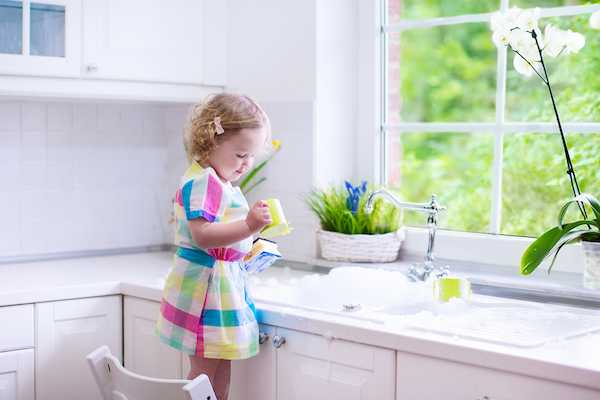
column 515, row 28
column 595, row 20
column 574, row 41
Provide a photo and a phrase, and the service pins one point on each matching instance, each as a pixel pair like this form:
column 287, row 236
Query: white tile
column 59, row 176
column 109, row 118
column 10, row 147
column 84, row 119
column 33, row 146
column 10, row 116
column 33, row 117
column 60, row 148
column 132, row 119
column 9, row 215
column 10, row 174
column 33, row 175
column 33, row 218
column 60, row 117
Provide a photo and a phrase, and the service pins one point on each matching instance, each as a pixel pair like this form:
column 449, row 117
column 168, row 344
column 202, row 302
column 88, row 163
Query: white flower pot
column 591, row 270
column 360, row 248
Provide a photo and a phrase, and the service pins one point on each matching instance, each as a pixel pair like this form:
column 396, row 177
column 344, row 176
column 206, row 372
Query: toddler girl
column 205, row 311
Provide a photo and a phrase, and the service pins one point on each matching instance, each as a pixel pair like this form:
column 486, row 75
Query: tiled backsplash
column 84, row 176
column 92, row 176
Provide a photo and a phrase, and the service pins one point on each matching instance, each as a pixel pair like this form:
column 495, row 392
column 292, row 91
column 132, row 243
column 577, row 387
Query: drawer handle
column 278, row 341
column 263, row 337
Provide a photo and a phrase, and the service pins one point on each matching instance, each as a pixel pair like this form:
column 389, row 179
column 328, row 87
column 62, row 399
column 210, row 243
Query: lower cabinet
column 426, row 378
column 67, row 331
column 16, row 375
column 314, row 367
column 299, row 366
column 144, row 353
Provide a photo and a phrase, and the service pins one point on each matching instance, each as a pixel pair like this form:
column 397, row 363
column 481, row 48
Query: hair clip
column 218, row 128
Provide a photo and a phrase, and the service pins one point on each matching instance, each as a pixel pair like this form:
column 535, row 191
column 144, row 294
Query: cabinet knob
column 263, row 337
column 91, row 67
column 278, row 341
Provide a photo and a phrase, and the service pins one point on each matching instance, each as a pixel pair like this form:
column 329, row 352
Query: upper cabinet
column 40, row 37
column 177, row 41
column 112, row 49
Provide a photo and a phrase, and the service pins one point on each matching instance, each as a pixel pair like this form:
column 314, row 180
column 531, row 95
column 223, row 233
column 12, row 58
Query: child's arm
column 209, row 235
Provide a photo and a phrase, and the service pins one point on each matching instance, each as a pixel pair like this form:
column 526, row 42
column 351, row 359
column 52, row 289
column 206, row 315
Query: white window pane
column 442, row 74
column 457, row 167
column 535, row 182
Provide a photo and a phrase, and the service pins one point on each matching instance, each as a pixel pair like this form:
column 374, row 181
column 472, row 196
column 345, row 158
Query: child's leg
column 218, row 371
column 222, row 380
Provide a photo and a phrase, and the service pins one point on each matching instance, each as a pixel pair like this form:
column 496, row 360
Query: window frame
column 495, row 248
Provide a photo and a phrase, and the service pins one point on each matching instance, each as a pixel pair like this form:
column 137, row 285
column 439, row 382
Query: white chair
column 117, row 383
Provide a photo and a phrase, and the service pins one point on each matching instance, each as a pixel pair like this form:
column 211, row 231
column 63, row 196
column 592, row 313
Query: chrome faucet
column 417, row 272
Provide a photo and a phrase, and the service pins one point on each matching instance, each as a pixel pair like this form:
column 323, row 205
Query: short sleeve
column 203, row 196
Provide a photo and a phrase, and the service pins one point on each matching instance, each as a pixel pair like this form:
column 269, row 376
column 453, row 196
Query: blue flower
column 354, row 195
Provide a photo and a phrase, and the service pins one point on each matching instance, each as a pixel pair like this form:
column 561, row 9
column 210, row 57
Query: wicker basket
column 360, row 248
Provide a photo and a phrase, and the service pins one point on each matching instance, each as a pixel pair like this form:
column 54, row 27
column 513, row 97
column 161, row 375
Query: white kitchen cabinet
column 40, row 37
column 16, row 375
column 421, row 377
column 179, row 41
column 314, row 367
column 67, row 331
column 144, row 353
column 256, row 377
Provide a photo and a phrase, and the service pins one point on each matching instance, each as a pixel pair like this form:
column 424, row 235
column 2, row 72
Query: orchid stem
column 570, row 169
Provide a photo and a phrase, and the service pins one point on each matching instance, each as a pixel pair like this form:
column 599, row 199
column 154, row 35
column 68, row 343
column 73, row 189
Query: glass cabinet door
column 40, row 37
column 47, row 30
column 11, row 27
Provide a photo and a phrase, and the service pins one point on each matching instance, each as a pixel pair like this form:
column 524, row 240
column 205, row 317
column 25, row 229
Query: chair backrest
column 117, row 383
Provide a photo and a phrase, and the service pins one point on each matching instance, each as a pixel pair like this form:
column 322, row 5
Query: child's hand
column 258, row 217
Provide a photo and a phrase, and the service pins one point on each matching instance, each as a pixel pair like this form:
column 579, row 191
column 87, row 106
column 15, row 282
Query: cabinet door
column 16, row 375
column 154, row 40
column 422, row 377
column 40, row 37
column 255, row 378
column 144, row 353
column 314, row 367
column 67, row 331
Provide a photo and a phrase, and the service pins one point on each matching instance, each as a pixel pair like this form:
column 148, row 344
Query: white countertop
column 575, row 361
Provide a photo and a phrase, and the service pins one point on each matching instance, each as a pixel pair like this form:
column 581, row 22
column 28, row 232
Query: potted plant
column 551, row 241
column 348, row 233
column 518, row 30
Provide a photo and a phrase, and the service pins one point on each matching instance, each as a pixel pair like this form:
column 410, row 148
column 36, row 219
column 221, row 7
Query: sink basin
column 388, row 297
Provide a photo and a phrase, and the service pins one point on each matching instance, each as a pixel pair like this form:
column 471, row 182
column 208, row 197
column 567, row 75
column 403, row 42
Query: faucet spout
column 432, row 208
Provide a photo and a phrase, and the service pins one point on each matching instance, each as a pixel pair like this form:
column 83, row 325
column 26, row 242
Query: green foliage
column 552, row 241
column 331, row 208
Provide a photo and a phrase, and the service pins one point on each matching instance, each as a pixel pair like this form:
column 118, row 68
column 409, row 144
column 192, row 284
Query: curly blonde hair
column 231, row 112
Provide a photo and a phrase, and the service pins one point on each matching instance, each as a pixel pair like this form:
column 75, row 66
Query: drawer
column 425, row 378
column 16, row 324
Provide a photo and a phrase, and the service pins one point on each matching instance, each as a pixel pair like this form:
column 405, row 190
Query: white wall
column 85, row 176
column 298, row 58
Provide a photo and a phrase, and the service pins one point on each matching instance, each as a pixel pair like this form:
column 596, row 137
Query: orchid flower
column 519, row 30
column 595, row 20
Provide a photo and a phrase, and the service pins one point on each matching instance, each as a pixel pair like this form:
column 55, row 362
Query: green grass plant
column 330, row 206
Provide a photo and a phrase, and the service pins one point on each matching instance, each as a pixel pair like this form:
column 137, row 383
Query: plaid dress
column 205, row 309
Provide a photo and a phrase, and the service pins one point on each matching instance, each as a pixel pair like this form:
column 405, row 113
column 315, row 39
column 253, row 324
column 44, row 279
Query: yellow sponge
column 449, row 287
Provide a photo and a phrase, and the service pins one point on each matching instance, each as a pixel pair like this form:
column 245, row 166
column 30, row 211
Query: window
column 459, row 122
